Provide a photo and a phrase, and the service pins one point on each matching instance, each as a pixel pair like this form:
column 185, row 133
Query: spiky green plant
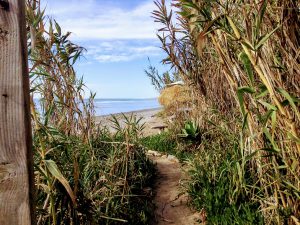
column 190, row 130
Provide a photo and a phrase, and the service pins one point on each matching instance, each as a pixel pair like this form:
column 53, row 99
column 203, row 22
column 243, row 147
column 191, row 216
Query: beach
column 149, row 116
column 106, row 106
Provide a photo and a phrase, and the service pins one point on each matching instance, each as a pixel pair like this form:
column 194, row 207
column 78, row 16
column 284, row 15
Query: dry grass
column 83, row 174
column 243, row 56
column 176, row 95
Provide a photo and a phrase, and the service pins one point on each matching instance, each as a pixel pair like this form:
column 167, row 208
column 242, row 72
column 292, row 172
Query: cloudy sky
column 119, row 35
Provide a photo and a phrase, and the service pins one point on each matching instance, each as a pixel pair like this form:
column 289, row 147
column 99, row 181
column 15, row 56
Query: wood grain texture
column 16, row 176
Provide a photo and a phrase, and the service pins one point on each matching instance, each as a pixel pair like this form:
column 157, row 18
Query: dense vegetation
column 239, row 61
column 234, row 122
column 83, row 173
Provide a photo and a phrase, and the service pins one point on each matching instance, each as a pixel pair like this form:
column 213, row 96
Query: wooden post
column 16, row 176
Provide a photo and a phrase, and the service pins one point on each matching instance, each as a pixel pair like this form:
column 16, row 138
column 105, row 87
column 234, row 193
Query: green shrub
column 162, row 142
column 190, row 131
column 220, row 179
column 168, row 144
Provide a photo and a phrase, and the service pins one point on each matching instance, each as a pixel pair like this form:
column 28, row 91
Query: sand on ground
column 149, row 117
column 171, row 205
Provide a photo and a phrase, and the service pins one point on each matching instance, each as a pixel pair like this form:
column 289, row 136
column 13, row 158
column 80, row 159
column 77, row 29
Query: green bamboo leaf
column 190, row 5
column 291, row 101
column 245, row 121
column 293, row 137
column 48, row 114
column 240, row 172
column 248, row 45
column 248, row 66
column 249, row 157
column 274, row 121
column 263, row 93
column 35, row 88
column 268, row 105
column 265, row 118
column 58, row 28
column 39, row 18
column 291, row 186
column 246, row 89
column 54, row 170
column 270, row 138
column 264, row 38
column 241, row 102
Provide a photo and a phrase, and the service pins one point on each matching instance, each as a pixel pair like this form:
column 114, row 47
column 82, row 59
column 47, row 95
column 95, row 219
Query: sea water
column 112, row 106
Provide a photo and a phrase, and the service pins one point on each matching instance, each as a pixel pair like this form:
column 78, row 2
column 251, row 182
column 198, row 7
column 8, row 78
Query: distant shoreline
column 149, row 117
column 141, row 111
column 107, row 107
column 124, row 99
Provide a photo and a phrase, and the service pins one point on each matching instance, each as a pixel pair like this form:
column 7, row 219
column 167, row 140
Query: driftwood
column 160, row 127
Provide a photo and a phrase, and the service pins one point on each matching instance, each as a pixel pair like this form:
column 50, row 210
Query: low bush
column 168, row 144
column 162, row 142
column 220, row 181
column 90, row 184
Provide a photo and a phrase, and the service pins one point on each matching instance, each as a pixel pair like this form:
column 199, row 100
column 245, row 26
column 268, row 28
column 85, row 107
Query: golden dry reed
column 243, row 58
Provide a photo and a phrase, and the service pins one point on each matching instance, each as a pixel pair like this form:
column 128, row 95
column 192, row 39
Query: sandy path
column 171, row 205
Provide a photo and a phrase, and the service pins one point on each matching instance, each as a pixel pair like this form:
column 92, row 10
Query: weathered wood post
column 16, row 176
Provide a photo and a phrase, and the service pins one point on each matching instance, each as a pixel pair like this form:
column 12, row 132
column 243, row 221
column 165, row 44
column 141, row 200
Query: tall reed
column 243, row 56
column 83, row 174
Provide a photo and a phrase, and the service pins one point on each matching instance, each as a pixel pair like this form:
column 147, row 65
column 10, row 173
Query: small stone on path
column 173, row 158
column 154, row 153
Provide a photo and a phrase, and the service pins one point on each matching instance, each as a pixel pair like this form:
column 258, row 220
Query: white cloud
column 111, row 32
column 117, row 51
column 90, row 19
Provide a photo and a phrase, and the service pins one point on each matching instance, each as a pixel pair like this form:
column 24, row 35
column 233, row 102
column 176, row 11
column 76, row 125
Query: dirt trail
column 171, row 205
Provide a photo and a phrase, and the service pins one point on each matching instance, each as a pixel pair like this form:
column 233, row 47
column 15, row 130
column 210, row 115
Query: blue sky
column 119, row 35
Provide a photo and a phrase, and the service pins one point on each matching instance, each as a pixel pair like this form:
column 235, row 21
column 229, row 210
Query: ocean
column 112, row 106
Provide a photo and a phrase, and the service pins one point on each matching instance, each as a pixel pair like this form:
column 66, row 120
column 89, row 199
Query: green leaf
column 53, row 169
column 291, row 186
column 190, row 5
column 58, row 28
column 264, row 38
column 269, row 137
column 263, row 93
column 268, row 105
column 248, row 157
column 245, row 121
column 291, row 101
column 265, row 118
column 39, row 18
column 274, row 121
column 248, row 66
column 246, row 89
column 293, row 137
column 240, row 94
column 248, row 45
